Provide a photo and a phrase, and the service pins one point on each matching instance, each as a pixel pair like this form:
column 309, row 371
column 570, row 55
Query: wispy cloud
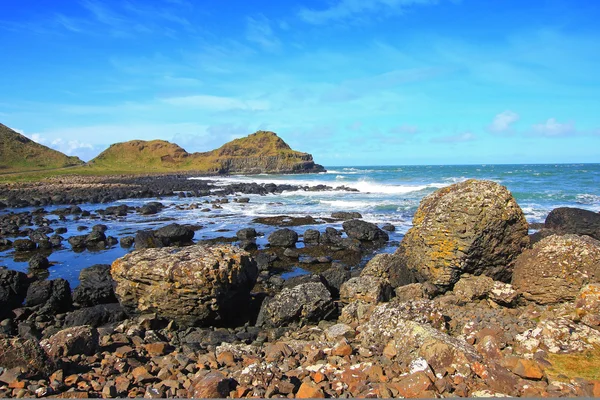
column 459, row 138
column 553, row 128
column 216, row 103
column 503, row 122
column 359, row 10
column 260, row 31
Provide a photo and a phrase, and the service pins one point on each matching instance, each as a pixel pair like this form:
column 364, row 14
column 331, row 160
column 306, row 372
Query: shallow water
column 387, row 194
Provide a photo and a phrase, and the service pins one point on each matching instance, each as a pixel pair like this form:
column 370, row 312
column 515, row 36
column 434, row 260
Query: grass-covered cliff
column 260, row 152
column 19, row 153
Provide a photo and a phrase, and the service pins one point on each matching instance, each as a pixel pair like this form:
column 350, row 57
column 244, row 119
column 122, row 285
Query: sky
column 353, row 82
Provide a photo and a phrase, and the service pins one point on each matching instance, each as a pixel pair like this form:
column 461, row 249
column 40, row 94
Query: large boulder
column 369, row 289
column 283, row 238
column 574, row 220
column 471, row 227
column 307, row 302
column 13, row 289
column 556, row 268
column 96, row 316
column 53, row 295
column 174, row 234
column 364, row 231
column 195, row 285
column 95, row 286
column 24, row 354
column 71, row 341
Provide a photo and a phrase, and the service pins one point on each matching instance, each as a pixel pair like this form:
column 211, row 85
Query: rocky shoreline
column 468, row 305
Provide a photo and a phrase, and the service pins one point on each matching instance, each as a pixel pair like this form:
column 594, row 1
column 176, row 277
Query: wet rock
column 24, row 354
column 388, row 227
column 151, row 208
column 78, row 242
column 96, row 316
column 191, row 285
column 471, row 227
column 308, row 302
column 364, row 231
column 346, row 215
column 283, row 238
column 311, row 236
column 284, row 220
column 38, row 261
column 291, row 253
column 95, row 286
column 577, row 221
column 127, row 241
column 13, row 289
column 557, row 268
column 174, row 234
column 246, row 234
column 24, row 245
column 99, row 228
column 54, row 295
column 71, row 341
column 389, row 268
column 369, row 289
column 146, row 240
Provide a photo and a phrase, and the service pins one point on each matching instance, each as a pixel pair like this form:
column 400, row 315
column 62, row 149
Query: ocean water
column 386, row 194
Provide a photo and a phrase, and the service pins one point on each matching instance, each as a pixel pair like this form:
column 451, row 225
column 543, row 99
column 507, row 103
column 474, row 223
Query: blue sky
column 354, row 82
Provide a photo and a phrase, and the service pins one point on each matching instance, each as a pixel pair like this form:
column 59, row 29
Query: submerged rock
column 196, row 285
column 557, row 267
column 471, row 227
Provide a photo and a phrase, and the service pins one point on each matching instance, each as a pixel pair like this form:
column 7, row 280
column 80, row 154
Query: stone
column 340, row 330
column 13, row 289
column 311, row 236
column 412, row 291
column 71, row 341
column 364, row 231
column 283, row 238
column 346, row 215
column 388, row 227
column 38, row 261
column 146, row 240
column 414, row 385
column 309, row 390
column 246, row 234
column 54, row 295
column 150, row 208
column 335, row 276
column 587, row 305
column 174, row 234
column 556, row 268
column 24, row 245
column 369, row 289
column 471, row 227
column 576, row 221
column 127, row 241
column 195, row 285
column 388, row 267
column 24, row 354
column 96, row 316
column 307, row 302
column 95, row 286
column 213, row 385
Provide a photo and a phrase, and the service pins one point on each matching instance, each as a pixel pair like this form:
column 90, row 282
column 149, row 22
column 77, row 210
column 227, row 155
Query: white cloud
column 503, row 122
column 460, row 138
column 217, row 103
column 553, row 128
column 259, row 31
column 348, row 9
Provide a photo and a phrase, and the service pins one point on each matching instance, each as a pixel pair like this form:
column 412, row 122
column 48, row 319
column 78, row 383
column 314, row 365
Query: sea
column 386, row 194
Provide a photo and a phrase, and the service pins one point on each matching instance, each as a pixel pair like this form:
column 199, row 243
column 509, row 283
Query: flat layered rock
column 195, row 285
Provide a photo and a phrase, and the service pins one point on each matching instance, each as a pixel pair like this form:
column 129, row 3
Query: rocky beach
column 470, row 300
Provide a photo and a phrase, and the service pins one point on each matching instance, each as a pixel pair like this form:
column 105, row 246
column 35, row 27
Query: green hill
column 260, row 152
column 19, row 153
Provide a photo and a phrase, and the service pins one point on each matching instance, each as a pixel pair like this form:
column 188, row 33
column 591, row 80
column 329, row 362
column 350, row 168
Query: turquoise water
column 387, row 194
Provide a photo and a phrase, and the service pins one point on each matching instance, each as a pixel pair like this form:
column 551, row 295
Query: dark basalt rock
column 577, row 221
column 364, row 231
column 96, row 316
column 24, row 245
column 283, row 238
column 174, row 234
column 246, row 234
column 38, row 261
column 95, row 286
column 346, row 215
column 53, row 295
column 13, row 289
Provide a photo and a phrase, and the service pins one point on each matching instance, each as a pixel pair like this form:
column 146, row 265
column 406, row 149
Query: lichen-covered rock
column 307, row 302
column 470, row 227
column 364, row 231
column 367, row 288
column 195, row 285
column 283, row 238
column 556, row 269
column 71, row 341
column 472, row 287
column 388, row 267
column 574, row 220
column 587, row 305
column 95, row 286
column 24, row 354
